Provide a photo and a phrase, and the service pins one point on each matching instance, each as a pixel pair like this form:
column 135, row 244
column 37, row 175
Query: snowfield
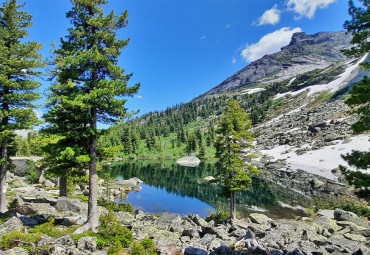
column 321, row 161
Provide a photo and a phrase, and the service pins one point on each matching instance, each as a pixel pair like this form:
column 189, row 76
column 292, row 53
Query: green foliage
column 344, row 203
column 113, row 206
column 49, row 228
column 32, row 172
column 145, row 247
column 360, row 180
column 13, row 204
column 360, row 100
column 147, row 243
column 4, row 218
column 233, row 172
column 359, row 97
column 110, row 231
column 19, row 63
column 220, row 216
column 115, row 249
column 13, row 239
column 359, row 27
column 81, row 197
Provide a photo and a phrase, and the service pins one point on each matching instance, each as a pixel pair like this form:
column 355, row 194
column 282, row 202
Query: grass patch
column 112, row 206
column 81, row 197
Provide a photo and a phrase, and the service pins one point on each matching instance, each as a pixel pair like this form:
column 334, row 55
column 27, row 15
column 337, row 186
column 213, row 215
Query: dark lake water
column 173, row 188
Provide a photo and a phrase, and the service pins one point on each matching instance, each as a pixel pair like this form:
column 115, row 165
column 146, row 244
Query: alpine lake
column 173, row 188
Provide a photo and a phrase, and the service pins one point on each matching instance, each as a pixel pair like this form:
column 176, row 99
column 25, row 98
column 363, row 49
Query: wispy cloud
column 227, row 26
column 271, row 16
column 268, row 44
column 38, row 113
column 203, row 37
column 307, row 8
column 139, row 96
column 234, row 60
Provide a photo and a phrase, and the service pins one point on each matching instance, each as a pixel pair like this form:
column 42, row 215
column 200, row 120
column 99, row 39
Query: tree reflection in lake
column 178, row 189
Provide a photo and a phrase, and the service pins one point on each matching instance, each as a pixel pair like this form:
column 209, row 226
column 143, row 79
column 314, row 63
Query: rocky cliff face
column 303, row 54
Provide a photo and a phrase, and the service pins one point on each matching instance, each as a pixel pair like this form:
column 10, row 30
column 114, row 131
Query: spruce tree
column 88, row 58
column 18, row 63
column 359, row 96
column 233, row 135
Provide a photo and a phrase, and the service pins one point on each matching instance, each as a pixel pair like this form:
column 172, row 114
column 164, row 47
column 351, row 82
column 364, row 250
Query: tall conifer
column 18, row 63
column 233, row 135
column 87, row 59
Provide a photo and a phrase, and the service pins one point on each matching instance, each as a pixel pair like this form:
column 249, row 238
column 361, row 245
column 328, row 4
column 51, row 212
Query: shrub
column 110, row 232
column 13, row 204
column 32, row 172
column 16, row 238
column 344, row 203
column 50, row 229
column 113, row 206
column 145, row 247
column 218, row 217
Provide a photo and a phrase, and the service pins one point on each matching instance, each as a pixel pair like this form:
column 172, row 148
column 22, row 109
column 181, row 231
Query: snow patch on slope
column 332, row 86
column 321, row 161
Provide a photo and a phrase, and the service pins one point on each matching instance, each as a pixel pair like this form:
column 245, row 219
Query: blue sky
column 180, row 49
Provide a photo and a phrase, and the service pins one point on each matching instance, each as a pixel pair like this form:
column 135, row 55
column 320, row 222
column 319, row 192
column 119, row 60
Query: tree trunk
column 63, row 187
column 3, row 170
column 233, row 205
column 92, row 217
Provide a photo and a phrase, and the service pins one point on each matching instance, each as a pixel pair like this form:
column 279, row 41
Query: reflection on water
column 174, row 188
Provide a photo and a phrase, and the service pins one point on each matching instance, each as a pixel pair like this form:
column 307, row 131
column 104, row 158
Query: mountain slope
column 303, row 54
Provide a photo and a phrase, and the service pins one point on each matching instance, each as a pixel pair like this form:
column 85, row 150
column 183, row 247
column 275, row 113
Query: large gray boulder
column 341, row 215
column 166, row 220
column 87, row 243
column 13, row 224
column 190, row 161
column 70, row 204
column 26, row 209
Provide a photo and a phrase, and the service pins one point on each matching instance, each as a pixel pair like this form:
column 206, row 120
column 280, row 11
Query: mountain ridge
column 304, row 53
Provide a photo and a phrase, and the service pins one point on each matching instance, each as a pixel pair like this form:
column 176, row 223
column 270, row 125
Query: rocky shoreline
column 327, row 232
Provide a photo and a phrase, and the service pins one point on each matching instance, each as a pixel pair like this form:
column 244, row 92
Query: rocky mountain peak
column 304, row 53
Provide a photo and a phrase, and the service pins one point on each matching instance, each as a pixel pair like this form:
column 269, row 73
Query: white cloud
column 269, row 43
column 203, row 37
column 234, row 60
column 307, row 8
column 271, row 16
column 38, row 113
column 227, row 26
column 139, row 96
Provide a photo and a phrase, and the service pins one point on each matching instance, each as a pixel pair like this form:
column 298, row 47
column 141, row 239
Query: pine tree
column 87, row 58
column 359, row 97
column 17, row 89
column 67, row 156
column 232, row 136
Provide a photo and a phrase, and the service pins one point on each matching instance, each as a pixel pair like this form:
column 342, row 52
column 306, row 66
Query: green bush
column 110, row 232
column 50, row 229
column 147, row 243
column 13, row 239
column 32, row 172
column 113, row 206
column 218, row 217
column 344, row 203
column 115, row 249
column 13, row 204
column 145, row 247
